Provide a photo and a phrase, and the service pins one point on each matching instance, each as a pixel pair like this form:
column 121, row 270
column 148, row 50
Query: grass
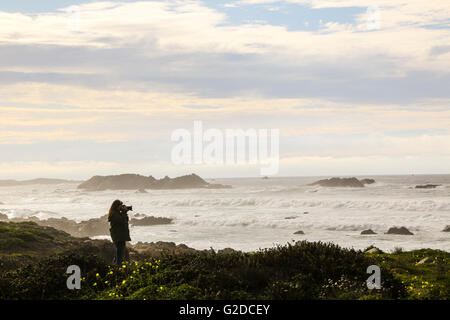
column 429, row 280
column 304, row 270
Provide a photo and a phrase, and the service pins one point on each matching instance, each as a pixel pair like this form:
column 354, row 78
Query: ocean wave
column 379, row 227
column 381, row 205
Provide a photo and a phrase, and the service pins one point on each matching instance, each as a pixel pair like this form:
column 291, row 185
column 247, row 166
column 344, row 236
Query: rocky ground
column 26, row 241
column 89, row 228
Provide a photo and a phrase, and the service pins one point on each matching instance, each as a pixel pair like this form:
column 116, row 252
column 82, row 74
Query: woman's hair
column 114, row 208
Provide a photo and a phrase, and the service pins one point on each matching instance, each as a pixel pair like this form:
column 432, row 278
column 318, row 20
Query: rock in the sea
column 367, row 181
column 427, row 186
column 368, row 231
column 401, row 230
column 339, row 182
column 446, row 229
column 374, row 251
column 150, row 221
column 299, row 232
column 290, row 217
column 141, row 191
column 425, row 260
column 135, row 181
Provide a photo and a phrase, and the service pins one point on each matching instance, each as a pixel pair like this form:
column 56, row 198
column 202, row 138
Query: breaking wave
column 397, row 205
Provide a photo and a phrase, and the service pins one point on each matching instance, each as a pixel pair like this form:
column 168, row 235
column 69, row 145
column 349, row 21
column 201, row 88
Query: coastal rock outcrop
column 122, row 181
column 367, row 181
column 401, row 230
column 160, row 247
column 339, row 182
column 150, row 221
column 374, row 251
column 139, row 182
column 368, row 231
column 425, row 260
column 92, row 227
column 299, row 232
column 427, row 186
column 446, row 229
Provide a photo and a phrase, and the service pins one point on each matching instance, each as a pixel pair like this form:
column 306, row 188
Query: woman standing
column 120, row 233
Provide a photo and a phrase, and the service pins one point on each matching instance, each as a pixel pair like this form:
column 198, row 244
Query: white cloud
column 137, row 65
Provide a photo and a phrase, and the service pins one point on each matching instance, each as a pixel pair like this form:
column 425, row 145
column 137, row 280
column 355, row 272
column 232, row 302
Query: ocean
column 260, row 213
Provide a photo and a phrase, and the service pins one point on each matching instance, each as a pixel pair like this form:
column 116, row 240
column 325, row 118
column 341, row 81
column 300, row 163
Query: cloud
column 185, row 46
column 74, row 76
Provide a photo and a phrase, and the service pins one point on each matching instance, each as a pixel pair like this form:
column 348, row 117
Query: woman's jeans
column 119, row 252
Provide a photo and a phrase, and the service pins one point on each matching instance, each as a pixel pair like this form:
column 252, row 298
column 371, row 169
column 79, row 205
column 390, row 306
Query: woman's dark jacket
column 119, row 227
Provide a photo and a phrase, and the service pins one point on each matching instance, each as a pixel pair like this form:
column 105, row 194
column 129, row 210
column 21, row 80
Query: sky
column 356, row 87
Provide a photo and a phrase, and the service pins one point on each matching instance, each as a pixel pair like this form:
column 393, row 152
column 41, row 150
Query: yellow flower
column 124, row 266
column 124, row 281
column 106, row 282
column 95, row 284
column 97, row 275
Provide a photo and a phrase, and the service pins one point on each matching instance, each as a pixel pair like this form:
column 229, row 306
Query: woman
column 120, row 233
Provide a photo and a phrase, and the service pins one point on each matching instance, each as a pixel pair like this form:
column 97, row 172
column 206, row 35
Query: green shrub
column 302, row 271
column 10, row 244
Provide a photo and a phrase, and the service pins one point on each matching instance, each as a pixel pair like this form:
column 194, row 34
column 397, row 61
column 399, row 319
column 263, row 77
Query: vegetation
column 304, row 270
column 427, row 280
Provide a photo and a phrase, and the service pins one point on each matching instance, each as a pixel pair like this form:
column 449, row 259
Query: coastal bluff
column 139, row 182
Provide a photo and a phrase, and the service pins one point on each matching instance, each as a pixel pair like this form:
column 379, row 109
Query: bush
column 301, row 271
column 47, row 278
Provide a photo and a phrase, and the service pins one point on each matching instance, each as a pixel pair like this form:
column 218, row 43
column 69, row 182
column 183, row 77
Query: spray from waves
column 27, row 213
column 381, row 205
column 324, row 225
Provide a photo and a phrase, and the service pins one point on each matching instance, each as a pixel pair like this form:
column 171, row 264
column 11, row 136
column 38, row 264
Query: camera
column 126, row 208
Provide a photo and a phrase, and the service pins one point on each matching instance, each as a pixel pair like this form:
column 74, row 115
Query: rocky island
column 139, row 182
column 343, row 182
